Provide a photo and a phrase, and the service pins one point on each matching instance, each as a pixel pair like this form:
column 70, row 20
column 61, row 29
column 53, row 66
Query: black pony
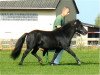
column 49, row 40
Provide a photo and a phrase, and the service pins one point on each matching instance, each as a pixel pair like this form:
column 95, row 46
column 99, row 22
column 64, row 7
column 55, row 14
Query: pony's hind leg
column 24, row 55
column 34, row 53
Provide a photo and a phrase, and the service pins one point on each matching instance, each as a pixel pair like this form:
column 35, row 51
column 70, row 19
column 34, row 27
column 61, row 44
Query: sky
column 89, row 9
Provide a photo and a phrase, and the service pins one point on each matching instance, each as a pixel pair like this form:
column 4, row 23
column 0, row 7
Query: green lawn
column 89, row 57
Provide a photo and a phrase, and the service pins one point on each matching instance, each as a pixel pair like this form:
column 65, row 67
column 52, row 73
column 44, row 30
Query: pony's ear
column 75, row 23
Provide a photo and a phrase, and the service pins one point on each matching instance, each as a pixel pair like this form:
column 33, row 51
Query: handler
column 59, row 21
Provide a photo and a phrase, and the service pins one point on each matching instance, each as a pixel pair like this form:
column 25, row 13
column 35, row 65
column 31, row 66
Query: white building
column 21, row 16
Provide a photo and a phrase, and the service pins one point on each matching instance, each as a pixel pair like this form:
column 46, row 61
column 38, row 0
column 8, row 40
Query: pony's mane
column 66, row 25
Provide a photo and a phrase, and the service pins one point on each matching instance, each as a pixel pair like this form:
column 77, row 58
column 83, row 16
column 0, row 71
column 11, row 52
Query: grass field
column 89, row 57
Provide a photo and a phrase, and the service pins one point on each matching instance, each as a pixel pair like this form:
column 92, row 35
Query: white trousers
column 58, row 58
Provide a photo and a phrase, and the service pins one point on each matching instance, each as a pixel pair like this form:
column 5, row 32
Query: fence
column 9, row 44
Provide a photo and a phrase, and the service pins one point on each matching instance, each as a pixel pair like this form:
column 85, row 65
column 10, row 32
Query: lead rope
column 47, row 57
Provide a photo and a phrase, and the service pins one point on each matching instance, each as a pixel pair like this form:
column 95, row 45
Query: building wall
column 10, row 28
column 70, row 5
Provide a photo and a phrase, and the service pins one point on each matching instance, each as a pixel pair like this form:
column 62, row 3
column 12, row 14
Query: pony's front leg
column 74, row 55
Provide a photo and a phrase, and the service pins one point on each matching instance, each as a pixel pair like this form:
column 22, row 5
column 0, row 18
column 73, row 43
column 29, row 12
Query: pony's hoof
column 41, row 62
column 53, row 64
column 79, row 63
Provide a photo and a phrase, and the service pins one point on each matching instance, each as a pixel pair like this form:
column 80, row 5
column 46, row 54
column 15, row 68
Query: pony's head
column 75, row 26
column 79, row 29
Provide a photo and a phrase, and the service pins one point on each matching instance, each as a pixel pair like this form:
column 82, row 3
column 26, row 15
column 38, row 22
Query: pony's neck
column 69, row 32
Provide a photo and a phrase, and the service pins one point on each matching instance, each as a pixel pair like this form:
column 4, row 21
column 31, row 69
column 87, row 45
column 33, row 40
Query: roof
column 90, row 25
column 32, row 4
column 75, row 6
column 29, row 4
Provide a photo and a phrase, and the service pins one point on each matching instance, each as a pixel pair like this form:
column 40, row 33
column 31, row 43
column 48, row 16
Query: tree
column 97, row 21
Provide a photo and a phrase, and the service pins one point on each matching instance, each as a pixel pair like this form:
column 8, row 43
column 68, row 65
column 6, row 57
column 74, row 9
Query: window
column 92, row 29
column 93, row 43
column 93, row 35
column 19, row 16
column 93, row 32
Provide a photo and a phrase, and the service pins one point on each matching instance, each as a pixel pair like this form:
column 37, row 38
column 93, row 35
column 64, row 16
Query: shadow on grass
column 48, row 64
column 32, row 64
column 90, row 63
column 82, row 63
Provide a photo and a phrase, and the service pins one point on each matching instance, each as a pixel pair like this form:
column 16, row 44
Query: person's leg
column 58, row 58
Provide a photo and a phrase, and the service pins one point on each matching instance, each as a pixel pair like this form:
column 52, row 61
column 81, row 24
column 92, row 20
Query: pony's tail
column 16, row 52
